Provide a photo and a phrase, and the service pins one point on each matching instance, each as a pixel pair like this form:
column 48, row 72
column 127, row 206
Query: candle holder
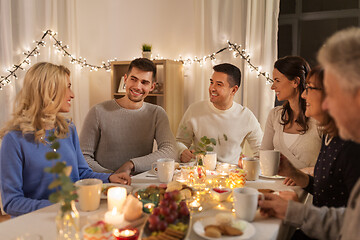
column 237, row 178
column 148, row 207
column 126, row 234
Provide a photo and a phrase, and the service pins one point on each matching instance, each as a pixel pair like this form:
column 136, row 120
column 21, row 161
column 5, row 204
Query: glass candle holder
column 237, row 178
column 148, row 207
column 126, row 234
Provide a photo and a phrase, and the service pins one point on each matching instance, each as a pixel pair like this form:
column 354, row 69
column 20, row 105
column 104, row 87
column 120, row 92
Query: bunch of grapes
column 168, row 212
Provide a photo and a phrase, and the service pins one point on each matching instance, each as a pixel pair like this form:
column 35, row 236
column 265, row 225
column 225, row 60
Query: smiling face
column 283, row 87
column 221, row 94
column 342, row 105
column 313, row 98
column 69, row 94
column 138, row 85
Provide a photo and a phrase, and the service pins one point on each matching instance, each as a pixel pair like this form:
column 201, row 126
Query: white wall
column 125, row 26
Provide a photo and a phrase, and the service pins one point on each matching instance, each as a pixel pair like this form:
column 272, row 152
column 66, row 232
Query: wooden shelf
column 170, row 75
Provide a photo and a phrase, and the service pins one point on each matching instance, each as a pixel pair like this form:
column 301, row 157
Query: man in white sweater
column 219, row 116
column 118, row 135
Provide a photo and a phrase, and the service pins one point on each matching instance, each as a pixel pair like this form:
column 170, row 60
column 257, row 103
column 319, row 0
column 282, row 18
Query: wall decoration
column 63, row 49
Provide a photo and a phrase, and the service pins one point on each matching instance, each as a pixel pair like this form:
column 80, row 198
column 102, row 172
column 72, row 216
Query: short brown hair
column 143, row 64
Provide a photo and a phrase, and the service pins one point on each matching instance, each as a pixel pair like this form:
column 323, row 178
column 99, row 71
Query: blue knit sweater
column 23, row 182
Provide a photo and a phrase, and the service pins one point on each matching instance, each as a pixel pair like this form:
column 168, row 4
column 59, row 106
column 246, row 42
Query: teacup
column 165, row 169
column 269, row 162
column 89, row 191
column 246, row 202
column 252, row 167
column 209, row 161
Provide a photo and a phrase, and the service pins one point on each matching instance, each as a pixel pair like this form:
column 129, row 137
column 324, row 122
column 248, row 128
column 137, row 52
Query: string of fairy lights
column 237, row 51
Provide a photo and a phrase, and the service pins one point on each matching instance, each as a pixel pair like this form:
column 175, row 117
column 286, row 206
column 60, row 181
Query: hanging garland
column 61, row 48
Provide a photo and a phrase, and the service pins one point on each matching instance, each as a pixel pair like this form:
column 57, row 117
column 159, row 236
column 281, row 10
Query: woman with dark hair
column 287, row 128
column 337, row 167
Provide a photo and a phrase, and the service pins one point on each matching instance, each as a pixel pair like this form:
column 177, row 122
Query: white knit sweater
column 238, row 123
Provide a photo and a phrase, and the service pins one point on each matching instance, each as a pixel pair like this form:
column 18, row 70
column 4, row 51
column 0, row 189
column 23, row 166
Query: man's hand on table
column 186, row 156
column 122, row 178
column 273, row 206
column 126, row 167
column 240, row 161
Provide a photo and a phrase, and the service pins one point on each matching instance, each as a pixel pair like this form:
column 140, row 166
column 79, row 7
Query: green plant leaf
column 54, row 184
column 225, row 137
column 52, row 155
column 54, row 197
column 213, row 141
column 52, row 137
column 55, row 145
column 209, row 148
column 59, row 167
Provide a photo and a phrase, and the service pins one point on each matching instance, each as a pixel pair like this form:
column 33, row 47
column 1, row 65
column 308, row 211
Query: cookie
column 213, row 232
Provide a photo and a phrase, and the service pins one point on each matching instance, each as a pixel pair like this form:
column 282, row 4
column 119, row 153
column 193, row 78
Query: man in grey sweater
column 118, row 135
column 340, row 58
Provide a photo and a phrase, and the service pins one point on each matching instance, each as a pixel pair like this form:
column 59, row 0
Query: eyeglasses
column 307, row 87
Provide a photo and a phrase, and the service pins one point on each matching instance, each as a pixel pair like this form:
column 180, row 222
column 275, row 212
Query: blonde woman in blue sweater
column 46, row 94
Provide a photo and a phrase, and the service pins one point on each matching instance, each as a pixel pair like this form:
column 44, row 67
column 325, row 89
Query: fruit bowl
column 170, row 218
column 220, row 194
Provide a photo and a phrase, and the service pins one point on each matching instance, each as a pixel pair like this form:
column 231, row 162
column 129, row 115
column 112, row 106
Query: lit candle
column 126, row 234
column 114, row 217
column 116, row 198
column 148, row 207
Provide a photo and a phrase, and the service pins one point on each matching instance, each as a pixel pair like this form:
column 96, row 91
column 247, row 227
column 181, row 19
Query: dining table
column 42, row 221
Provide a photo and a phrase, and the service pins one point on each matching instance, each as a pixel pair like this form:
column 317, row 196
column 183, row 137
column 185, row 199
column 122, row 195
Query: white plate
column 199, row 226
column 272, row 177
column 103, row 196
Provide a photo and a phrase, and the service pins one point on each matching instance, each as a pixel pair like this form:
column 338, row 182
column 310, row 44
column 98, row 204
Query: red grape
column 173, row 206
column 152, row 228
column 176, row 195
column 163, row 203
column 184, row 211
column 182, row 204
column 168, row 196
column 164, row 211
column 156, row 211
column 154, row 220
column 170, row 218
column 162, row 226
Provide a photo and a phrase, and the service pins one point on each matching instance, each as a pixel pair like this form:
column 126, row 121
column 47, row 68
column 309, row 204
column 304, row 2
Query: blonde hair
column 341, row 52
column 38, row 103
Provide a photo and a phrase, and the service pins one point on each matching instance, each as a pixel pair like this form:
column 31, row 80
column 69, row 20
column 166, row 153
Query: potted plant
column 146, row 51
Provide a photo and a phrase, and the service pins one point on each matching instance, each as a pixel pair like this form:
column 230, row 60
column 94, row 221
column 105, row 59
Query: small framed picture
column 122, row 87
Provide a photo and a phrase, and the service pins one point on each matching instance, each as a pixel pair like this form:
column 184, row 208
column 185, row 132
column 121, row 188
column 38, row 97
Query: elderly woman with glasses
column 287, row 128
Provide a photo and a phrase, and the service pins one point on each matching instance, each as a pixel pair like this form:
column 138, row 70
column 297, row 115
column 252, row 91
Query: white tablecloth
column 42, row 221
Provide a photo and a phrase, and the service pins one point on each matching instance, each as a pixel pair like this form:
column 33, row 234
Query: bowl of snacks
column 98, row 231
column 220, row 194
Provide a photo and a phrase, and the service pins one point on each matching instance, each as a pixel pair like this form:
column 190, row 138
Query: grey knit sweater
column 327, row 223
column 112, row 135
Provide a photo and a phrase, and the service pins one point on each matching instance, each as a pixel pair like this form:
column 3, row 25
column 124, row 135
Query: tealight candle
column 114, row 217
column 148, row 207
column 116, row 198
column 126, row 234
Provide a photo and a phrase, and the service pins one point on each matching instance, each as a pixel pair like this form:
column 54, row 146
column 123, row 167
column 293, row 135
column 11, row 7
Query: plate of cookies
column 223, row 226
